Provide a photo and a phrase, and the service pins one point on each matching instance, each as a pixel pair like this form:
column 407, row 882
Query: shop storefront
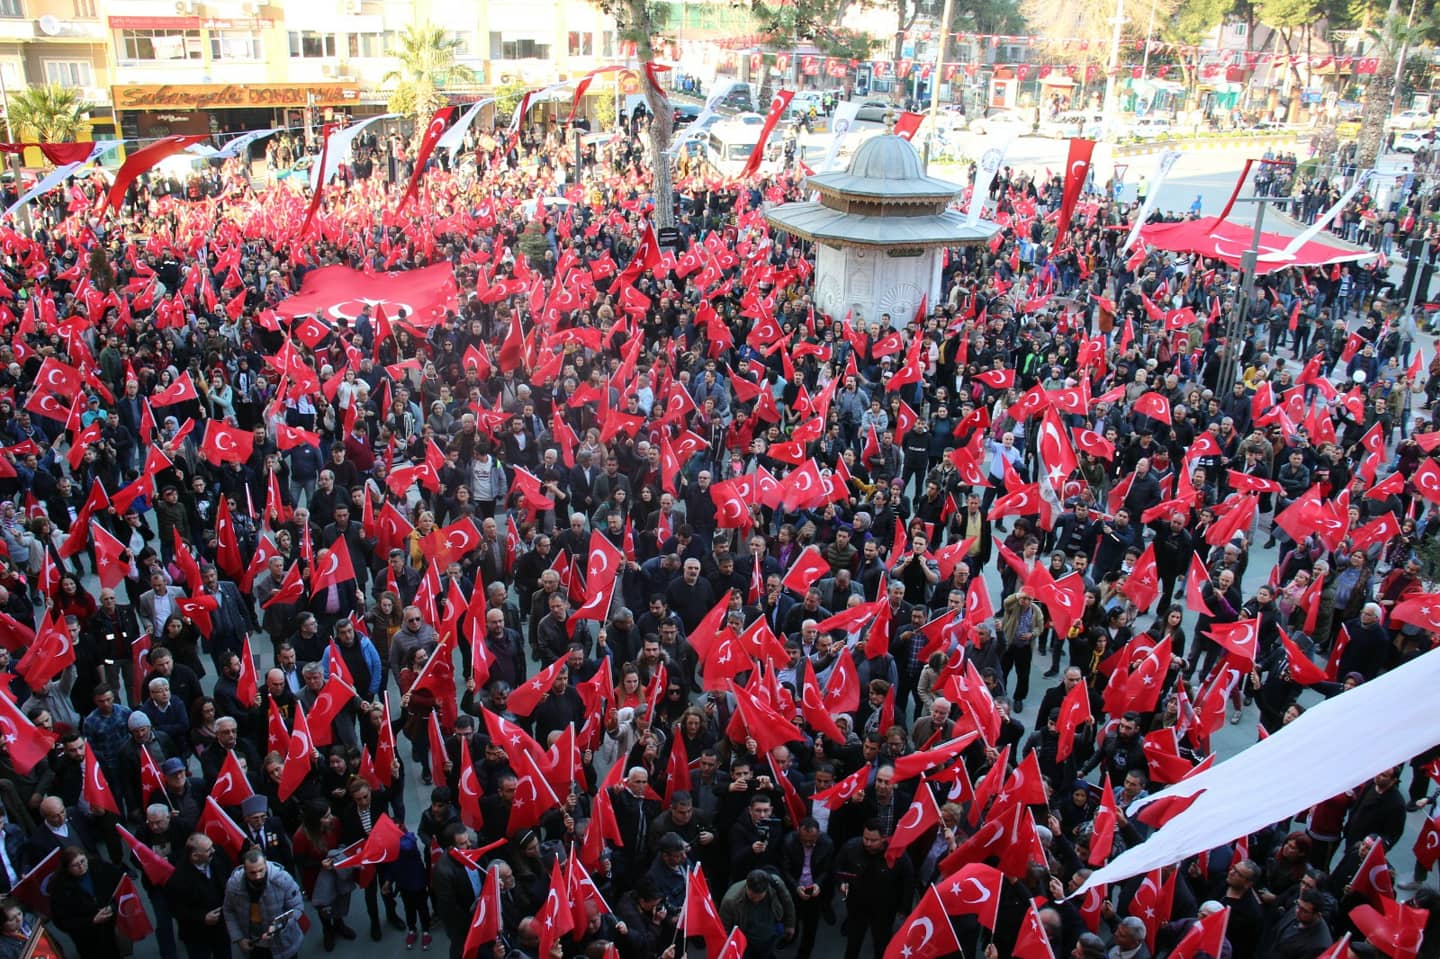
column 156, row 110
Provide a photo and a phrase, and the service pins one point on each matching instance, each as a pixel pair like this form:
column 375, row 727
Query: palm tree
column 427, row 64
column 51, row 114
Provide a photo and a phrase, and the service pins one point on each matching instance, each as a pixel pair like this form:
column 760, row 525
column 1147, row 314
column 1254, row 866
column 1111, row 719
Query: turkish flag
column 221, row 828
column 291, row 588
column 226, row 444
column 1240, row 637
column 298, row 756
column 1195, row 579
column 151, row 781
column 533, row 795
column 1148, row 678
column 922, row 815
column 1031, row 942
column 1147, row 905
column 997, row 379
column 130, row 919
column 778, row 103
column 156, row 867
column 1143, row 583
column 289, row 437
column 1397, row 931
column 1426, row 480
column 842, row 689
column 1427, row 844
column 485, row 922
column 1206, row 937
column 808, row 567
column 231, row 788
column 338, row 291
column 527, row 696
column 96, row 791
column 468, row 788
column 700, row 916
column 142, row 160
column 332, row 568
column 178, row 392
column 1102, row 831
column 1077, row 171
column 1373, row 880
column 926, row 933
column 1421, row 610
column 1154, row 406
column 108, row 551
column 1302, row 669
column 767, row 727
column 382, row 844
column 973, row 890
column 1075, row 712
column 1162, row 756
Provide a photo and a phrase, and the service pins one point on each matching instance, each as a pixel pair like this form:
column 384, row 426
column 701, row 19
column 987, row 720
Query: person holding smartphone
column 755, row 838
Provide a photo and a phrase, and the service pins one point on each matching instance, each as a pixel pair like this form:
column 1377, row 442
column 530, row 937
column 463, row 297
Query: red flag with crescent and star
column 1077, row 170
column 778, row 104
column 433, row 132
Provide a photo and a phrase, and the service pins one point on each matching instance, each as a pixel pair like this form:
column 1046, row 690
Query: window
column 502, row 49
column 582, row 44
column 607, row 44
column 84, row 9
column 234, row 45
column 464, row 42
column 309, row 45
column 370, row 45
column 12, row 8
column 160, row 44
column 69, row 73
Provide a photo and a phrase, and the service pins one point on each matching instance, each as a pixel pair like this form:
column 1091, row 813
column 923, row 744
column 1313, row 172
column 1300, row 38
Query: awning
column 1228, row 240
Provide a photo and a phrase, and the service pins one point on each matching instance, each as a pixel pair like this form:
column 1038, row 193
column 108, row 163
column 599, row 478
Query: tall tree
column 427, row 56
column 50, row 113
column 1392, row 34
column 635, row 21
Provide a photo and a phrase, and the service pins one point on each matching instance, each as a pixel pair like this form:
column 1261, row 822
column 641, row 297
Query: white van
column 730, row 144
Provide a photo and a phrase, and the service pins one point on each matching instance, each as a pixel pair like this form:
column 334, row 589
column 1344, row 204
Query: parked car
column 873, row 111
column 1015, row 122
column 1409, row 120
column 1411, row 141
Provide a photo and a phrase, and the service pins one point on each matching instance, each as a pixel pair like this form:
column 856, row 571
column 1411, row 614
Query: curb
column 1200, row 146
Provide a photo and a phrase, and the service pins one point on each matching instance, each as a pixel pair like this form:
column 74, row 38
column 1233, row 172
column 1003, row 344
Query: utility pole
column 1249, row 261
column 935, row 81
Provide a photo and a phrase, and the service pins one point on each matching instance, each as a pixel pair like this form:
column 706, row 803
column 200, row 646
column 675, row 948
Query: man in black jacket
column 875, row 893
column 196, row 893
column 808, row 859
column 455, row 886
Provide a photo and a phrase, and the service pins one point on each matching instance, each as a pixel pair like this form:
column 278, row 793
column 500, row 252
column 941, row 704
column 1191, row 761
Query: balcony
column 57, row 30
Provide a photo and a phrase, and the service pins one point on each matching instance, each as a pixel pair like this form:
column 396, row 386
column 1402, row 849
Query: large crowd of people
column 897, row 599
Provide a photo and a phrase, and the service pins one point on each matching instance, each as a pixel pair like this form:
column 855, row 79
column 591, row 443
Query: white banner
column 454, row 137
column 1336, row 746
column 841, row 123
column 1164, row 163
column 338, row 151
column 990, row 163
column 57, row 176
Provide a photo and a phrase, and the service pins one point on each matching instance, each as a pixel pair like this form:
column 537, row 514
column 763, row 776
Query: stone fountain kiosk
column 878, row 229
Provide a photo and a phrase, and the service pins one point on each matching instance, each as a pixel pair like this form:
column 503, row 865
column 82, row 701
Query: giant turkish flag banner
column 337, row 292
